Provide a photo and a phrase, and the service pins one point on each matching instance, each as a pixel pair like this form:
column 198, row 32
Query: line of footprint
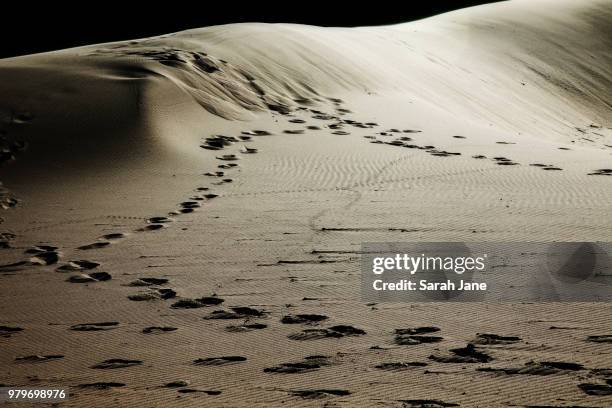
column 47, row 255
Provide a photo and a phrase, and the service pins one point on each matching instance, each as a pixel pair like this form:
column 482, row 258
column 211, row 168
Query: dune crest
column 185, row 214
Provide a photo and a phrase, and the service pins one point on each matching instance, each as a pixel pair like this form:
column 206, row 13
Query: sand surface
column 491, row 123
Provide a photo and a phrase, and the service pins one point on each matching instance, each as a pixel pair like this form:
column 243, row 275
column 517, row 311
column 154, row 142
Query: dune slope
column 193, row 205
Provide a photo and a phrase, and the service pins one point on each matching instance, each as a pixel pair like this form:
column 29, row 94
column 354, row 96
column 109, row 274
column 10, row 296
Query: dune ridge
column 194, row 206
column 463, row 63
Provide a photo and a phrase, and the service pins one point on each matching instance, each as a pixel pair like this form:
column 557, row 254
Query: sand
column 234, row 261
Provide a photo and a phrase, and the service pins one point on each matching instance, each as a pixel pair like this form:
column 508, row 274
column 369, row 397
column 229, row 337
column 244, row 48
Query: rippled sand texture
column 184, row 214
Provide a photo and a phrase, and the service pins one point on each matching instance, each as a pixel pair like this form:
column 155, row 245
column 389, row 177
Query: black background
column 29, row 28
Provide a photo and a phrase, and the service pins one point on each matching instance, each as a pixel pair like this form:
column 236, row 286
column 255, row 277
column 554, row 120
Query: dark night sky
column 29, row 28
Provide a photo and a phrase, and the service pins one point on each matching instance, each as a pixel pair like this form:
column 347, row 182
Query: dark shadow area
column 28, row 28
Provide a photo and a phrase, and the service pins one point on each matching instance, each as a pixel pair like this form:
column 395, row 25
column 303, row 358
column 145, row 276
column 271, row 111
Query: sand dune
column 184, row 213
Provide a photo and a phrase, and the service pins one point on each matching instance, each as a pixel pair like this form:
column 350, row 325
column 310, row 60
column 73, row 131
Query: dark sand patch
column 94, row 326
column 114, row 363
column 217, row 361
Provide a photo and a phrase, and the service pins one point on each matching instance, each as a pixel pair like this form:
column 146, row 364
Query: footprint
column 95, row 326
column 79, row 265
column 8, row 202
column 296, row 121
column 217, row 361
column 8, row 331
column 479, row 156
column 241, row 312
column 605, row 338
column 605, row 372
column 248, row 150
column 426, row 403
column 294, row 132
column 314, row 334
column 398, row 366
column 227, row 166
column 601, row 172
column 90, row 277
column 488, row 339
column 149, row 282
column 102, row 385
column 218, row 142
column 101, row 276
column 467, row 354
column 197, row 303
column 346, row 330
column 22, row 117
column 189, row 207
column 38, row 358
column 247, row 327
column 155, row 294
column 319, row 393
column 312, row 127
column 506, row 163
column 95, row 245
column 417, row 330
column 323, row 116
column 116, row 363
column 248, row 311
column 536, row 368
column 210, row 196
column 303, row 319
column 158, row 329
column 552, row 168
column 159, row 220
column 144, row 297
column 43, row 255
column 39, row 249
column 114, row 235
column 410, row 340
column 309, row 363
column 45, row 258
column 596, row 389
column 340, row 132
column 194, row 390
column 459, row 137
column 152, row 227
column 257, row 133
column 177, row 384
column 332, row 332
column 228, row 157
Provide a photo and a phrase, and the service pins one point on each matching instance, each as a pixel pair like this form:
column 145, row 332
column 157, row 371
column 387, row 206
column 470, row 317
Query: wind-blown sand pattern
column 183, row 214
